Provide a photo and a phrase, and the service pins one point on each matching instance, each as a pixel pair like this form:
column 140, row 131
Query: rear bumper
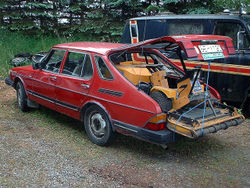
column 8, row 81
column 157, row 137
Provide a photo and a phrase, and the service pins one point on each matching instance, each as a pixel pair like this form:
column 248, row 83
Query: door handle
column 85, row 85
column 53, row 78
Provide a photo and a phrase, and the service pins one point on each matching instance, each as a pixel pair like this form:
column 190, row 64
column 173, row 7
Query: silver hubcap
column 97, row 125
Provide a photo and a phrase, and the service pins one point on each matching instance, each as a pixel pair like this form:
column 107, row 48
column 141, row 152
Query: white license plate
column 211, row 48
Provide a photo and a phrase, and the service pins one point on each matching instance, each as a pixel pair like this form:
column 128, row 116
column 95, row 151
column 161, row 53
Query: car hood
column 194, row 46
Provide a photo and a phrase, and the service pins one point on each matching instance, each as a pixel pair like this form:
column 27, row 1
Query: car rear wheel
column 164, row 102
column 21, row 97
column 98, row 126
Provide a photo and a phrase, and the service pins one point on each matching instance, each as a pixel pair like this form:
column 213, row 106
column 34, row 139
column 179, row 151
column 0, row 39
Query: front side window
column 103, row 70
column 79, row 65
column 54, row 61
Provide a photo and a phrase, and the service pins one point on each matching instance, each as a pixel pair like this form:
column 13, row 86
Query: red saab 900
column 131, row 89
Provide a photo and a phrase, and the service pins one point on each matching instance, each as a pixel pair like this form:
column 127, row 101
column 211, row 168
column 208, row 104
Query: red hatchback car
column 131, row 89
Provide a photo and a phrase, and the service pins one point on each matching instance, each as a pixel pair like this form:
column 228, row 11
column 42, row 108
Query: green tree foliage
column 95, row 17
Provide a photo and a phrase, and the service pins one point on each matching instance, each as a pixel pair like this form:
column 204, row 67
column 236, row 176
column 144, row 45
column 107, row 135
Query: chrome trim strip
column 54, row 101
column 63, row 105
column 41, row 97
column 124, row 126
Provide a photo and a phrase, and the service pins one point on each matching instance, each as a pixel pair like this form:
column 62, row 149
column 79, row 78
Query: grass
column 12, row 43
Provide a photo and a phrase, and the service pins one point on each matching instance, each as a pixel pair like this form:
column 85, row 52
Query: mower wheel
column 164, row 102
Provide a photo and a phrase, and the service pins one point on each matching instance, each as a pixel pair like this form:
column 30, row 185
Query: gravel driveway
column 43, row 148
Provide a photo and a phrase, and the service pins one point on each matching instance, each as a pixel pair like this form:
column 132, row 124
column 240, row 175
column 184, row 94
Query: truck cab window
column 231, row 29
column 183, row 27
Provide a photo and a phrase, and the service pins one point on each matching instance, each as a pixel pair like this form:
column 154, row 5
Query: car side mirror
column 240, row 40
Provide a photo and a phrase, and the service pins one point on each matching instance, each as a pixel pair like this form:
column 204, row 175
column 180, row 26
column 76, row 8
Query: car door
column 74, row 83
column 44, row 80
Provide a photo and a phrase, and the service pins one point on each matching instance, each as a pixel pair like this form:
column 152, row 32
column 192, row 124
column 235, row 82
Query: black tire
column 164, row 102
column 21, row 97
column 98, row 126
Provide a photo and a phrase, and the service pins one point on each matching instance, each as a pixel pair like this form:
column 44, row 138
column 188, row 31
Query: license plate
column 210, row 48
column 211, row 51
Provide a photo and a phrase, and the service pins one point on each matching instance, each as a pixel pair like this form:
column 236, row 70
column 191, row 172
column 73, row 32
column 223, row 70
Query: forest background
column 96, row 18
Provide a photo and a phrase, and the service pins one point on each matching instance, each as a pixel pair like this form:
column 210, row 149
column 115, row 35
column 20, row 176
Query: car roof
column 96, row 47
column 190, row 16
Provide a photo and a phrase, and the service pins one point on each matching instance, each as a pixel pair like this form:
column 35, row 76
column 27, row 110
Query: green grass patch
column 12, row 43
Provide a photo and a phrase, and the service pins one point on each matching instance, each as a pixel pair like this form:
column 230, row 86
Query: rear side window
column 79, row 65
column 103, row 70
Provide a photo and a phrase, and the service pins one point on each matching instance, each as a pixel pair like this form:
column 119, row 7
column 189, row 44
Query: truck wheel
column 98, row 126
column 164, row 102
column 21, row 97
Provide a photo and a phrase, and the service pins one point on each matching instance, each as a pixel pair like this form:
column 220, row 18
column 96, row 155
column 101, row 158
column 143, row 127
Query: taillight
column 157, row 123
column 155, row 126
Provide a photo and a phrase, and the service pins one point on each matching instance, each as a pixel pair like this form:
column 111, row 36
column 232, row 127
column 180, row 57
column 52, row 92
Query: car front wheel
column 98, row 126
column 21, row 97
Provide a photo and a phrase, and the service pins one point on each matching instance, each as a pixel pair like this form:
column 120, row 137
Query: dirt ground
column 43, row 148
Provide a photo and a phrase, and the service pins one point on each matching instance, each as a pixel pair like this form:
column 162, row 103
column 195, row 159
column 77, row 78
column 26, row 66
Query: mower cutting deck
column 197, row 122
